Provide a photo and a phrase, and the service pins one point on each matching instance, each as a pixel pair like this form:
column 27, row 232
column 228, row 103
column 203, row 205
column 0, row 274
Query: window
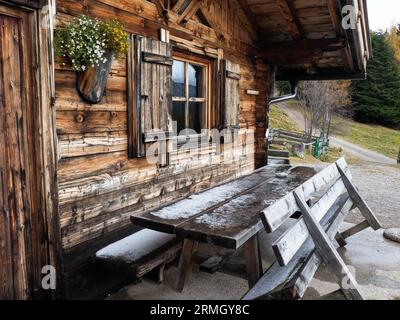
column 189, row 93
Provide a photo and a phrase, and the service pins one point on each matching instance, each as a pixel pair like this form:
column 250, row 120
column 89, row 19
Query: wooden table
column 227, row 215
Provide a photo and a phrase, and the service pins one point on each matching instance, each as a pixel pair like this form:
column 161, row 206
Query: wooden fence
column 317, row 146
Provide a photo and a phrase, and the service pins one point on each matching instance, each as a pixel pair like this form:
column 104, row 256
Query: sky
column 383, row 13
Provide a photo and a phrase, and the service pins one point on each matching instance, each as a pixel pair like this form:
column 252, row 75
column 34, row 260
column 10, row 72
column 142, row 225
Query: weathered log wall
column 99, row 187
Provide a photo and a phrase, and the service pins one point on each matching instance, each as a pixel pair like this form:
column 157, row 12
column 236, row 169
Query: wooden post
column 185, row 263
column 252, row 261
column 398, row 157
column 359, row 201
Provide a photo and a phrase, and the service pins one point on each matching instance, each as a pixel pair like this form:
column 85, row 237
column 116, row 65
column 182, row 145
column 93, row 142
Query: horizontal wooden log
column 76, row 145
column 68, row 122
column 158, row 59
column 233, row 75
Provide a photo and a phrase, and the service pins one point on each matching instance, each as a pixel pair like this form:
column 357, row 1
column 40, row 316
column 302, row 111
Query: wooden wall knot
column 80, row 117
column 113, row 114
column 139, row 9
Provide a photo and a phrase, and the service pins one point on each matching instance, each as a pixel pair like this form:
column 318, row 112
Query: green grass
column 373, row 137
column 280, row 120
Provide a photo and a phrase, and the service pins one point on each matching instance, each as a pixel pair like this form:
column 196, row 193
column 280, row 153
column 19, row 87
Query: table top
column 226, row 215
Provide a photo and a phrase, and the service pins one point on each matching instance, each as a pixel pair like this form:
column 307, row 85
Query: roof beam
column 304, row 45
column 189, row 11
column 210, row 20
column 162, row 11
column 288, row 12
column 178, row 5
column 250, row 16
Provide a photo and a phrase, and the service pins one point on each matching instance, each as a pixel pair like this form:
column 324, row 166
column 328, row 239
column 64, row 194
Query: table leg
column 252, row 261
column 185, row 263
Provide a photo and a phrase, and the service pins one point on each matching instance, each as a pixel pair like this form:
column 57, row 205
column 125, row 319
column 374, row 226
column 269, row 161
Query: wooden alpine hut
column 73, row 142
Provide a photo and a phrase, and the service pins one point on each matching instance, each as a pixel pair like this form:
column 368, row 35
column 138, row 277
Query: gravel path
column 380, row 186
column 361, row 153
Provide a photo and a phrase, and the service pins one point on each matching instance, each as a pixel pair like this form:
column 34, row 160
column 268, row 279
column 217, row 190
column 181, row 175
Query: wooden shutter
column 150, row 94
column 230, row 94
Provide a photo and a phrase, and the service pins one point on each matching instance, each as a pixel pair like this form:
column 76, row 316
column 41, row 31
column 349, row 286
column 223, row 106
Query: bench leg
column 328, row 252
column 161, row 269
column 253, row 260
column 185, row 263
column 359, row 201
column 340, row 240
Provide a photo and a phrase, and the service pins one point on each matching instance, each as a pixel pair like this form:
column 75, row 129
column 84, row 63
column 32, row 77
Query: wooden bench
column 140, row 253
column 310, row 240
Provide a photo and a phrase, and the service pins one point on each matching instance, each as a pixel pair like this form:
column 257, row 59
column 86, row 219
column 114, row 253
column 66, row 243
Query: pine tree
column 377, row 99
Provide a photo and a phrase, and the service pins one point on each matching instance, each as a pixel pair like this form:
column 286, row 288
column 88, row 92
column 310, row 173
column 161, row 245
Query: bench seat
column 140, row 253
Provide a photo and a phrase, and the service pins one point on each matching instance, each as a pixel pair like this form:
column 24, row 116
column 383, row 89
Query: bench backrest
column 329, row 181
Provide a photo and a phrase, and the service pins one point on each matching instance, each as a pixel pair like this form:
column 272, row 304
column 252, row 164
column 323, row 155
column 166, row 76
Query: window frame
column 207, row 64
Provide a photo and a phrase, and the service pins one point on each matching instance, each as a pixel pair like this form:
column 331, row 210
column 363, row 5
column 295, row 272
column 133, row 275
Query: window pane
column 196, row 116
column 196, row 81
column 178, row 115
column 178, row 79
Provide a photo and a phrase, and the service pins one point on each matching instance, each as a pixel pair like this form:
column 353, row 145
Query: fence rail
column 317, row 146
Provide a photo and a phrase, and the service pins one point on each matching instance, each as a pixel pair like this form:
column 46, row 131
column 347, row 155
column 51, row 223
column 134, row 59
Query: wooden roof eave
column 352, row 46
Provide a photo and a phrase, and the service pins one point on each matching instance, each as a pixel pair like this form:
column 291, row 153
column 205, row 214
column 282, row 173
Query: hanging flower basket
column 90, row 46
column 92, row 82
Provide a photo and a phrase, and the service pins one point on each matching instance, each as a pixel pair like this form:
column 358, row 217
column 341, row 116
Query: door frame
column 43, row 101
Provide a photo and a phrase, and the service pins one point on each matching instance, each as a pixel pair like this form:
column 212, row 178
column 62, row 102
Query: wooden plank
column 233, row 75
column 185, row 264
column 286, row 246
column 328, row 252
column 290, row 282
column 253, row 262
column 189, row 11
column 157, row 58
column 235, row 221
column 15, row 165
column 144, row 265
column 298, row 285
column 359, row 201
column 160, row 219
column 288, row 12
column 70, row 122
column 252, row 92
column 356, row 229
column 277, row 213
column 132, row 100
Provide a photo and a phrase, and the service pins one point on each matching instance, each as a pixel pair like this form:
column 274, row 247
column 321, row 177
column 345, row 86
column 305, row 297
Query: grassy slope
column 280, row 120
column 373, row 137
